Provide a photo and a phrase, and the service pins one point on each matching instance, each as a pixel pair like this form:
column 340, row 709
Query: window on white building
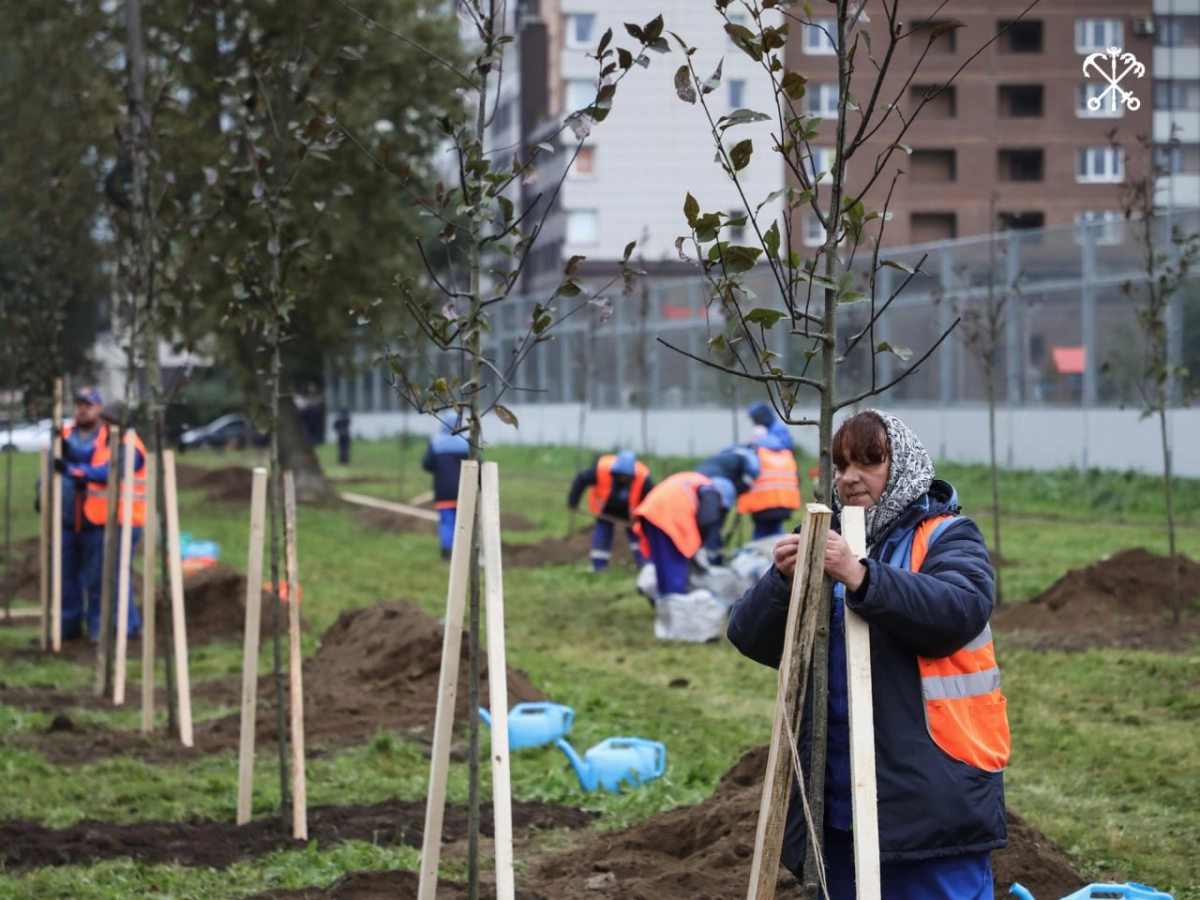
column 1177, row 96
column 1105, row 226
column 737, row 93
column 580, row 94
column 1091, row 92
column 821, row 160
column 580, row 27
column 820, row 37
column 822, row 99
column 1097, row 35
column 1179, row 159
column 736, row 233
column 814, row 231
column 583, row 226
column 737, row 19
column 585, row 163
column 1100, row 165
column 1177, row 31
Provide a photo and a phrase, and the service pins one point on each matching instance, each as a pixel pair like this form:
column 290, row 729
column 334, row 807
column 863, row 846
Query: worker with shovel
column 616, row 484
column 941, row 730
column 679, row 525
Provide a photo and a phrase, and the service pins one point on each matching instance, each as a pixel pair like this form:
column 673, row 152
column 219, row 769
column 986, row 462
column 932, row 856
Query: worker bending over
column 617, row 483
column 443, row 459
column 775, row 494
column 84, row 467
column 680, row 522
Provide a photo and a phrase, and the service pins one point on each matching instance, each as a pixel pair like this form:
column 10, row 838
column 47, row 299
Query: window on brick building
column 927, row 227
column 932, row 166
column 941, row 102
column 1097, row 35
column 1022, row 165
column 1022, row 101
column 1100, row 165
column 1023, row 36
column 945, row 44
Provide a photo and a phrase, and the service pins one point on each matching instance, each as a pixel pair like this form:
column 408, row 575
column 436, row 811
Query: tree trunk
column 8, row 561
column 285, row 803
column 297, row 455
column 991, row 379
column 1176, row 601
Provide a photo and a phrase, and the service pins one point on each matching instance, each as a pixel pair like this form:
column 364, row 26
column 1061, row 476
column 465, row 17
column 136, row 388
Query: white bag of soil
column 697, row 617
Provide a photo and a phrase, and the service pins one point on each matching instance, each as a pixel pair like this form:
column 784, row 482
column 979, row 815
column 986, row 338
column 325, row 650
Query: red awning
column 1069, row 360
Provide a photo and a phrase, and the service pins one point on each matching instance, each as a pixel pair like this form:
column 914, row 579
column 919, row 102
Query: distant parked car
column 233, row 430
column 28, row 437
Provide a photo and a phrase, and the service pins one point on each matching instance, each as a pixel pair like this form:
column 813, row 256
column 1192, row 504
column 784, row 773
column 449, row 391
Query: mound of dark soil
column 696, row 853
column 225, row 484
column 377, row 669
column 29, row 845
column 572, row 550
column 1123, row 600
column 214, row 600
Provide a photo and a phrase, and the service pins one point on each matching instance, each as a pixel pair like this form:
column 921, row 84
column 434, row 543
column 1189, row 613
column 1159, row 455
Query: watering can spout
column 486, row 716
column 587, row 778
column 1021, row 891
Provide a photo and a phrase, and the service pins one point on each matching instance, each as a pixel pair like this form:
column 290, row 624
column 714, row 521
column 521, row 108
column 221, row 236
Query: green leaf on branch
column 684, row 89
column 849, row 298
column 794, row 85
column 654, row 28
column 764, row 317
column 945, row 27
column 735, row 259
column 505, row 415
column 898, row 146
column 896, row 264
column 636, row 32
column 715, row 81
column 604, row 42
column 771, row 241
column 624, row 58
column 691, row 209
column 741, row 117
column 573, row 264
column 902, row 353
column 740, row 155
column 629, row 248
column 569, row 288
column 774, row 38
column 743, row 38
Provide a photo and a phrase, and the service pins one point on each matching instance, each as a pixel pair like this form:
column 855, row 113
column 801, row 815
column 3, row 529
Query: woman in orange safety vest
column 942, row 741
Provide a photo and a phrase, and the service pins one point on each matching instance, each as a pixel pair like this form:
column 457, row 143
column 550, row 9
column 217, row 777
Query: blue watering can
column 1129, row 891
column 535, row 724
column 615, row 760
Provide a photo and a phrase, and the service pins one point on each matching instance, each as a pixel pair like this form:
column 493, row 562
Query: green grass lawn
column 1104, row 757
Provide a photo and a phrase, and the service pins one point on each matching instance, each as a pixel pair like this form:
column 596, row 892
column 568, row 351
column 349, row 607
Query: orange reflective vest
column 965, row 712
column 95, row 504
column 671, row 507
column 776, row 487
column 598, row 495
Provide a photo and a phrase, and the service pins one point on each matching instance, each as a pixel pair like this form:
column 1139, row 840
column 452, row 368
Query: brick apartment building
column 1013, row 124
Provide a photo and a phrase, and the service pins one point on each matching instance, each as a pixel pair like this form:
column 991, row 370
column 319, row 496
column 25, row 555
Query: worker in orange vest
column 775, row 494
column 679, row 523
column 617, row 483
column 84, row 466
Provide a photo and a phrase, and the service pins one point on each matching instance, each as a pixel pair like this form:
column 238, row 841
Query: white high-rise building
column 1176, row 70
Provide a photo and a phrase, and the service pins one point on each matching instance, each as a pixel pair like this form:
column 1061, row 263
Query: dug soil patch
column 223, row 485
column 399, row 523
column 24, row 570
column 377, row 669
column 215, row 603
column 1124, row 600
column 571, row 550
column 695, row 853
column 29, row 845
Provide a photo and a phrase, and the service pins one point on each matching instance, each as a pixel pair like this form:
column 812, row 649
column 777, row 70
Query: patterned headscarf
column 909, row 478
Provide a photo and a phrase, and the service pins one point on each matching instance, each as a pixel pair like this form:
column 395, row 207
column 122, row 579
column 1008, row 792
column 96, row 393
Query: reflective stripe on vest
column 671, row 507
column 777, row 486
column 965, row 711
column 598, row 495
column 95, row 505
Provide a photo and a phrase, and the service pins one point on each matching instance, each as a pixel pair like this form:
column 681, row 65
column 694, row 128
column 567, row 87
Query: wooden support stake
column 125, row 573
column 48, row 473
column 108, row 568
column 250, row 644
column 178, row 617
column 149, row 593
column 497, row 682
column 56, row 525
column 295, row 663
column 421, row 499
column 864, row 796
column 443, row 726
column 403, row 509
column 807, row 583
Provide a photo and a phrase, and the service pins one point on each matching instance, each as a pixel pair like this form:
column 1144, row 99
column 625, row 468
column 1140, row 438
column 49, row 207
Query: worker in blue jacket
column 84, row 468
column 738, row 463
column 942, row 742
column 765, row 423
column 616, row 484
column 443, row 458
